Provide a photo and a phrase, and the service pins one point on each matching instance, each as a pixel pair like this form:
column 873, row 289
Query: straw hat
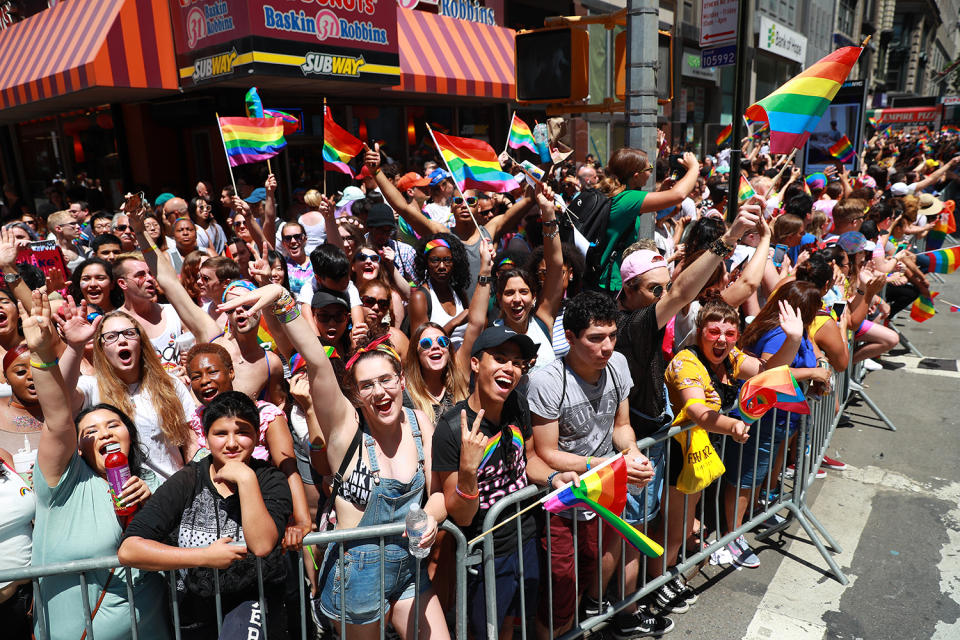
column 929, row 206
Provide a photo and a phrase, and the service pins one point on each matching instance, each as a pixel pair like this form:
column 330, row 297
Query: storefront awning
column 85, row 52
column 447, row 56
column 910, row 115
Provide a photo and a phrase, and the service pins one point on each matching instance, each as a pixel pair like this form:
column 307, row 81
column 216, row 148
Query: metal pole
column 641, row 87
column 741, row 82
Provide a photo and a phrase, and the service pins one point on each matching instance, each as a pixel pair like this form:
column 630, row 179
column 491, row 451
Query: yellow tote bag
column 701, row 464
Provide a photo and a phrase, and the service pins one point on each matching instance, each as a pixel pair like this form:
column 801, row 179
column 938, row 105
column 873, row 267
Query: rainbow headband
column 436, row 243
column 243, row 284
column 505, row 262
column 381, row 344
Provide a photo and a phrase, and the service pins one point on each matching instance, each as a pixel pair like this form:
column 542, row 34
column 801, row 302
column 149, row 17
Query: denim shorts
column 739, row 458
column 645, row 506
column 358, row 582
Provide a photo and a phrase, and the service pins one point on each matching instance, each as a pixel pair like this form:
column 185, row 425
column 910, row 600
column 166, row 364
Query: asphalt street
column 895, row 512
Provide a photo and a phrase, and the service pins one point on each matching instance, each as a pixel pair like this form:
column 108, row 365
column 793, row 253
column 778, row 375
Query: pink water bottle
column 118, row 472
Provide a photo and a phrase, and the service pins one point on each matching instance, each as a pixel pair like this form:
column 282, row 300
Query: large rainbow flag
column 474, row 164
column 951, row 129
column 793, row 110
column 943, row 260
column 251, row 139
column 842, row 149
column 774, row 388
column 603, row 490
column 923, row 309
column 339, row 147
column 521, row 136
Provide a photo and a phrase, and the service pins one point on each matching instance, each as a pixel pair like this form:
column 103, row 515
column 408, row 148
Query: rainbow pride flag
column 774, row 388
column 251, row 139
column 603, row 490
column 516, row 439
column 745, row 192
column 725, row 134
column 793, row 110
column 950, row 128
column 291, row 123
column 842, row 150
column 474, row 164
column 943, row 260
column 253, row 104
column 922, row 309
column 521, row 136
column 339, row 147
column 945, row 224
column 817, row 180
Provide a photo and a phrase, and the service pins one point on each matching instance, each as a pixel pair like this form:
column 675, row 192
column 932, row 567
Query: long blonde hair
column 454, row 381
column 153, row 378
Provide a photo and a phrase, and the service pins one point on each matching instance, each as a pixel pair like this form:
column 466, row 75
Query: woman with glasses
column 387, row 450
column 210, row 235
column 443, row 271
column 375, row 298
column 627, row 173
column 154, row 229
column 129, row 376
column 293, row 245
column 371, row 265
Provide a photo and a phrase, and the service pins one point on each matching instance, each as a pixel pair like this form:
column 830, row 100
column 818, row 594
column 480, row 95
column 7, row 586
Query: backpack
column 592, row 212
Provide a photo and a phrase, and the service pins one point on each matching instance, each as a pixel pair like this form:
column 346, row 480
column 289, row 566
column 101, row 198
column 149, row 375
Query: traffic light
column 551, row 65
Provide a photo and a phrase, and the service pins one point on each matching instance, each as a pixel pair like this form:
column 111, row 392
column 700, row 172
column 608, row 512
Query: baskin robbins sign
column 349, row 39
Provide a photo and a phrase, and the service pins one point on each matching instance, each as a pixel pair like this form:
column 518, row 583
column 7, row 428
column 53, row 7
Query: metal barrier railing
column 767, row 494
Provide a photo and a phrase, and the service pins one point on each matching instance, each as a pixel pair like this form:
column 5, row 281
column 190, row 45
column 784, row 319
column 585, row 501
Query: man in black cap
column 381, row 225
column 483, row 451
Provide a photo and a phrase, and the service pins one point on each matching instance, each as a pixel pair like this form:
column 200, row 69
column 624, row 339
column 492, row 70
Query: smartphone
column 838, row 308
column 778, row 253
column 338, row 196
column 135, row 199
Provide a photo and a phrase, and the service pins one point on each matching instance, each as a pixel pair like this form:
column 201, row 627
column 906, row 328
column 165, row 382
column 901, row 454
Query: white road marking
column 797, row 598
column 911, row 365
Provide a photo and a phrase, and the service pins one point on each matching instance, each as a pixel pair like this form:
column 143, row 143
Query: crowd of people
column 404, row 344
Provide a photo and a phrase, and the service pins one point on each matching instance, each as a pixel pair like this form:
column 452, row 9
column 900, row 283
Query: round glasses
column 427, row 343
column 389, row 382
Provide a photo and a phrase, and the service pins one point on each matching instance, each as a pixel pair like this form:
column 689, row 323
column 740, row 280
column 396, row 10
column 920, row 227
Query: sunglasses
column 714, row 333
column 295, row 238
column 427, row 343
column 122, row 227
column 324, row 318
column 471, row 201
column 366, row 257
column 371, row 302
column 239, row 223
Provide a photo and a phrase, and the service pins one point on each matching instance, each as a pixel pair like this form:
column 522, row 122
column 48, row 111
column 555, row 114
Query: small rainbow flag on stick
column 253, row 104
column 603, row 490
column 922, row 309
column 473, row 164
column 339, row 147
column 725, row 134
column 794, row 109
column 943, row 260
column 842, row 150
column 775, row 388
column 249, row 140
column 745, row 192
column 521, row 136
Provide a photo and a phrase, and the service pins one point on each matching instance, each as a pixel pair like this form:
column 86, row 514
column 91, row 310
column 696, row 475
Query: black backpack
column 592, row 215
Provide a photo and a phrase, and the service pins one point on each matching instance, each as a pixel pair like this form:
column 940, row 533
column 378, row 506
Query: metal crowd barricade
column 378, row 532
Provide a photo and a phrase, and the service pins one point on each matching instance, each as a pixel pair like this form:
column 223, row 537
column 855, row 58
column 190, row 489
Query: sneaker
column 590, row 607
column 792, row 471
column 683, row 590
column 872, row 365
column 832, row 463
column 641, row 624
column 747, row 557
column 669, row 601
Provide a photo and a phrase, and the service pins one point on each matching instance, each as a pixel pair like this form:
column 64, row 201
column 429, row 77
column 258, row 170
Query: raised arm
column 409, row 211
column 934, row 177
column 477, row 312
column 270, row 209
column 552, row 294
column 8, row 264
column 749, row 281
column 510, row 219
column 657, row 200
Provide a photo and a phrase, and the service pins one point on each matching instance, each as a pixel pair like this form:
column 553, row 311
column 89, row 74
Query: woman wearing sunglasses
column 370, row 264
column 293, row 244
column 375, row 298
column 390, row 472
column 441, row 268
column 210, row 235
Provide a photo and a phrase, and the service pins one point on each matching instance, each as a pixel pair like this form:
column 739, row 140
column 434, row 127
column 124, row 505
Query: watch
column 11, row 278
column 484, row 279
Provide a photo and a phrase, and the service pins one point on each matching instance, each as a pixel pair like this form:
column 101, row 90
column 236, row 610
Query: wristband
column 43, row 365
column 861, row 292
column 552, row 234
column 149, row 249
column 468, row 496
column 551, row 477
column 550, row 223
column 589, row 458
column 317, row 447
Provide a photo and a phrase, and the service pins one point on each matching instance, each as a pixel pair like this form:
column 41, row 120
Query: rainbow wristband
column 43, row 365
column 468, row 496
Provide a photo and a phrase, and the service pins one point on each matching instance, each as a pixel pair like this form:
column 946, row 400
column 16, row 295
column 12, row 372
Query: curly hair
column 210, row 349
column 459, row 272
column 586, row 308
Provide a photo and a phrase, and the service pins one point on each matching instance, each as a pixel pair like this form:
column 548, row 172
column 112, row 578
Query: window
column 846, row 10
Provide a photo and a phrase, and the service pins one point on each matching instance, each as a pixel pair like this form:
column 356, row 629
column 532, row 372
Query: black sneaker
column 667, row 600
column 590, row 607
column 640, row 624
column 684, row 592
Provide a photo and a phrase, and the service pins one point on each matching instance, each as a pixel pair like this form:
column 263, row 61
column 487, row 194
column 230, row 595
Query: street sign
column 718, row 56
column 718, row 22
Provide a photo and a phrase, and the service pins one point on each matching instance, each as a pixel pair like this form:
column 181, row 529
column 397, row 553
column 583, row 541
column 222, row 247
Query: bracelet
column 149, row 249
column 861, row 292
column 552, row 234
column 283, row 307
column 376, row 170
column 720, row 248
column 288, row 316
column 317, row 447
column 481, row 279
column 550, row 223
column 589, row 458
column 551, row 477
column 43, row 365
column 468, row 496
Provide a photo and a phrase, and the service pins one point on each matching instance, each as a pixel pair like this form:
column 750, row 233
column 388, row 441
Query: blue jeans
column 645, row 506
column 739, row 458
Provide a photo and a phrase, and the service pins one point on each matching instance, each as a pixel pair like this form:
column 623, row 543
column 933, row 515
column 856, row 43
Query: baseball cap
column 162, row 199
column 852, row 242
column 257, row 195
column 380, row 215
column 410, row 180
column 350, row 194
column 900, row 189
column 639, row 262
column 437, row 176
column 498, row 335
column 324, row 299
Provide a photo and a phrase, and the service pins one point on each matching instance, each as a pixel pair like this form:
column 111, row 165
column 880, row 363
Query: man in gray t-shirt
column 580, row 412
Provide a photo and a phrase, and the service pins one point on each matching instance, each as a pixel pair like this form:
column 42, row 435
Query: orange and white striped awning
column 81, row 45
column 447, row 56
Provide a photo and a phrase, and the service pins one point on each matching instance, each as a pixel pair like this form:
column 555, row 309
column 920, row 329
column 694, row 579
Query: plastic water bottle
column 23, row 461
column 416, row 525
column 542, row 138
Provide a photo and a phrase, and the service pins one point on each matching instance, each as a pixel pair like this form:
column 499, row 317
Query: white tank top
column 439, row 315
column 16, row 516
column 165, row 344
